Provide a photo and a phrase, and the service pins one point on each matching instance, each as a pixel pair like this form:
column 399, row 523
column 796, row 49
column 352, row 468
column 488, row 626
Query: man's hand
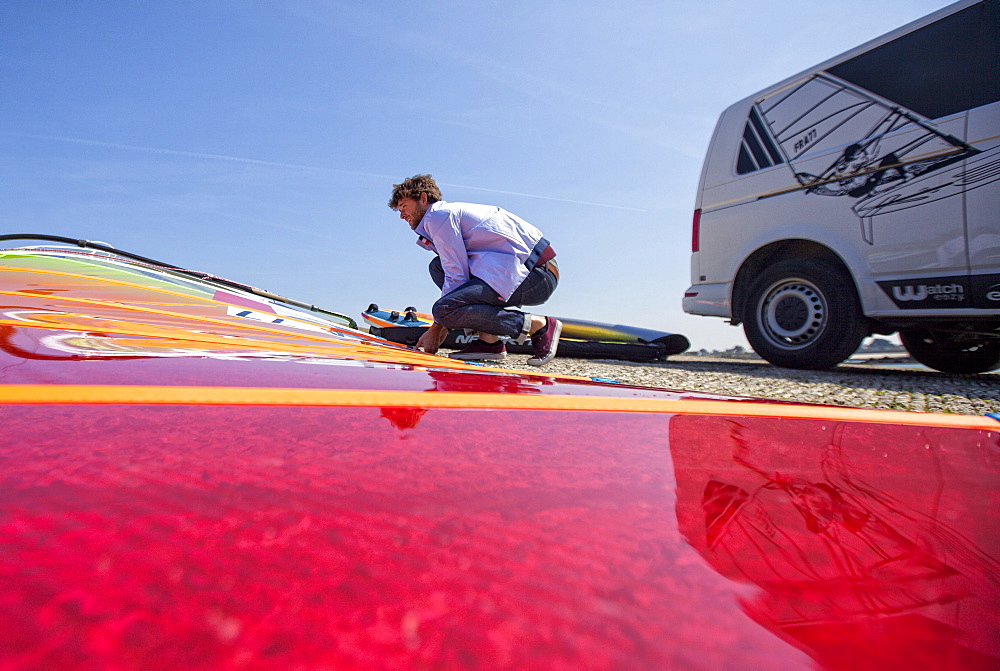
column 432, row 338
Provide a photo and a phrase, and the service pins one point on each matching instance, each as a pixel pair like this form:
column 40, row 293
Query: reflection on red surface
column 403, row 418
column 297, row 537
column 852, row 531
column 173, row 536
column 159, row 537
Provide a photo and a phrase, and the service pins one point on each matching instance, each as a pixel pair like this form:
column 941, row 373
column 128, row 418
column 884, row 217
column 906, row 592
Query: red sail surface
column 346, row 534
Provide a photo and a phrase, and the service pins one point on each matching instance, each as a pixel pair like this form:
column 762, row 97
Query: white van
column 863, row 196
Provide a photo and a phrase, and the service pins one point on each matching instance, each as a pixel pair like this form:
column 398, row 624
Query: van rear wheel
column 804, row 313
column 951, row 352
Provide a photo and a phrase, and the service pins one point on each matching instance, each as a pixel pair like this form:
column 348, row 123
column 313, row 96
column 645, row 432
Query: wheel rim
column 793, row 313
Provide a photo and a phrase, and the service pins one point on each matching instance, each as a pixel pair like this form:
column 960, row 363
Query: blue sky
column 259, row 141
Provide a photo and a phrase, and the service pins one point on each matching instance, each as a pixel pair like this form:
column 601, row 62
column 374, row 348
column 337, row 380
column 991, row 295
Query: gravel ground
column 854, row 385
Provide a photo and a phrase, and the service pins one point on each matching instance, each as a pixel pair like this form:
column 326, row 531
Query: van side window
column 757, row 149
column 947, row 67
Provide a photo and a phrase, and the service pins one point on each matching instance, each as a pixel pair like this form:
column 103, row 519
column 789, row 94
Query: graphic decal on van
column 840, row 140
column 986, row 291
column 958, row 291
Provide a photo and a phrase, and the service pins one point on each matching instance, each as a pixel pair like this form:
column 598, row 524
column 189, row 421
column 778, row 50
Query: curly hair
column 413, row 187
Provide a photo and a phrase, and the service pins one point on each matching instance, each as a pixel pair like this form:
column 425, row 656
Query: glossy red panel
column 870, row 544
column 161, row 537
column 223, row 536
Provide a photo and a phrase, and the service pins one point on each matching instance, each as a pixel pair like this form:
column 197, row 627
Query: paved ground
column 855, row 385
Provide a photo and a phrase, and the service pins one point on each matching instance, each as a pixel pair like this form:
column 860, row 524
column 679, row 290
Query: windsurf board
column 580, row 338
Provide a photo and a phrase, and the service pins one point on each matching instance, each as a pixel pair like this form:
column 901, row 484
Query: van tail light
column 696, row 231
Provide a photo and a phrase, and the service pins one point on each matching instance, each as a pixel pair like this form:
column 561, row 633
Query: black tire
column 804, row 313
column 951, row 352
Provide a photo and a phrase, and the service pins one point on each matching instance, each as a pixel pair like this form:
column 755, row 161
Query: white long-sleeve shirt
column 482, row 240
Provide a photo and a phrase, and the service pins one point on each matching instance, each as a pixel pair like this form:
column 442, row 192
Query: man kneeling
column 486, row 260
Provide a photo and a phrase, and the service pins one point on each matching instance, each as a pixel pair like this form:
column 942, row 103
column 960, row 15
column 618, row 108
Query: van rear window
column 757, row 149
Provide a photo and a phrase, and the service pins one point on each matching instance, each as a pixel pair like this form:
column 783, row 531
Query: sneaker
column 478, row 350
column 545, row 345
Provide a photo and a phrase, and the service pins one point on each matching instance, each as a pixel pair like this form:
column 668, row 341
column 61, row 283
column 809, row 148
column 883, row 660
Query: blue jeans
column 475, row 305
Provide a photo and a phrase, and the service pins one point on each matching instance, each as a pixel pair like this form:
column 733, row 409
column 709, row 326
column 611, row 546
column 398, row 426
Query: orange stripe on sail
column 277, row 396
